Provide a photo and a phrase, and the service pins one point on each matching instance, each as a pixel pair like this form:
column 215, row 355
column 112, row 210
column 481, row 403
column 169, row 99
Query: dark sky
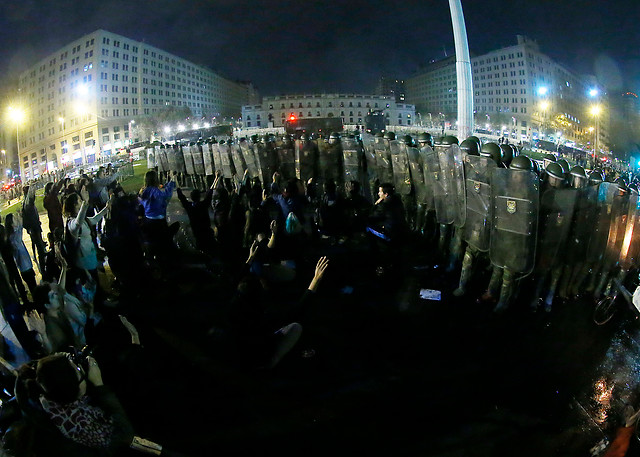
column 289, row 46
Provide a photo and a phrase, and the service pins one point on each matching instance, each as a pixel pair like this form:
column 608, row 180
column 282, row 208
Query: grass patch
column 132, row 184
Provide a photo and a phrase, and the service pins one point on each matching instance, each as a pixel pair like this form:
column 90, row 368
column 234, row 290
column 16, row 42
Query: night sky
column 328, row 46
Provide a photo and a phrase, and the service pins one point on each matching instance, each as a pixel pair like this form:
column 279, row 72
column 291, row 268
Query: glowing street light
column 167, row 129
column 17, row 115
column 595, row 111
column 542, row 90
column 593, row 92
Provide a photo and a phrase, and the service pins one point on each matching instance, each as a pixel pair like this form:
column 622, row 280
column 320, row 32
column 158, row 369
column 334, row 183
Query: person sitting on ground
column 72, row 412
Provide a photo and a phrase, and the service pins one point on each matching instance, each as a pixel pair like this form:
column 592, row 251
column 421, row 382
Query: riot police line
column 566, row 231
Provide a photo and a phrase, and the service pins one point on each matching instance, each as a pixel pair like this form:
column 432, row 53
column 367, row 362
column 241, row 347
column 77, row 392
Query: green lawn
column 132, row 184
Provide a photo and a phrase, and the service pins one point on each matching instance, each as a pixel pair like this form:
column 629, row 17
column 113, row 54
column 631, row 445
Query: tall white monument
column 463, row 71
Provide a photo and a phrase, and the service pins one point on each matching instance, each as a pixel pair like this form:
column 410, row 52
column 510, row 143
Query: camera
column 81, row 357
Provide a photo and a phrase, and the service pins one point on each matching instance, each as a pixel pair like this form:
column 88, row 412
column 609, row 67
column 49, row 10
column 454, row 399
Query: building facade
column 518, row 90
column 352, row 108
column 81, row 101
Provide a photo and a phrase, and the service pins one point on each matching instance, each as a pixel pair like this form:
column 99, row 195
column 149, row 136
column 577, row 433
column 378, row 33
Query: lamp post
column 17, row 115
column 595, row 111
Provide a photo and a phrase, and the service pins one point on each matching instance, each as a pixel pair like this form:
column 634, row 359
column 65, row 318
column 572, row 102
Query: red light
column 292, row 118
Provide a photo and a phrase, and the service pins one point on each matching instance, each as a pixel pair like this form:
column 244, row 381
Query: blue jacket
column 155, row 200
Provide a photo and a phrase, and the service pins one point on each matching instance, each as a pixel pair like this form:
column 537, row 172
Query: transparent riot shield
column 368, row 143
column 249, row 159
column 383, row 160
column 259, row 154
column 226, row 162
column 151, row 158
column 306, row 160
column 207, row 159
column 445, row 211
column 400, row 167
column 351, row 160
column 198, row 159
column 452, row 169
column 514, row 209
column 617, row 228
column 554, row 222
column 427, row 199
column 477, row 227
column 188, row 159
column 287, row 160
column 330, row 161
column 601, row 223
column 238, row 160
column 217, row 157
column 582, row 228
column 161, row 158
column 180, row 167
column 630, row 251
column 171, row 158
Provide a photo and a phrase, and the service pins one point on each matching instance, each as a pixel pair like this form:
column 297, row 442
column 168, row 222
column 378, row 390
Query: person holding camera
column 69, row 409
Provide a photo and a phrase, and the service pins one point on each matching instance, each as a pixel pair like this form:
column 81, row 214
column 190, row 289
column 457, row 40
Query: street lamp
column 595, row 111
column 17, row 115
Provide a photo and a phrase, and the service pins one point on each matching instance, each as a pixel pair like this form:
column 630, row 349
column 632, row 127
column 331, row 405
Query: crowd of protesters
column 259, row 236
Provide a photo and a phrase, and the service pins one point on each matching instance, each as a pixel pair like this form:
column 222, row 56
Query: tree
column 150, row 125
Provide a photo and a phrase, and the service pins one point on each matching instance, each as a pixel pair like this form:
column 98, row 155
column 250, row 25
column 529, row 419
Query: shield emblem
column 511, row 206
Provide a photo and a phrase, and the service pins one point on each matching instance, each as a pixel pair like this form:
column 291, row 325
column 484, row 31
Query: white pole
column 463, row 71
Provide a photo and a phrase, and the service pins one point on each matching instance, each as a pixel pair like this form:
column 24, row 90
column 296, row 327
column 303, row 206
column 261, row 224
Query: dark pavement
column 390, row 373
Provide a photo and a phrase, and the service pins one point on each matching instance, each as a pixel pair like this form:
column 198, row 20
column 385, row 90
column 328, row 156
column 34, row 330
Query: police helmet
column 578, row 177
column 554, row 170
column 506, row 151
column 334, row 138
column 221, row 142
column 254, row 139
column 425, row 138
column 379, row 135
column 491, row 150
column 447, row 140
column 523, row 163
column 565, row 166
column 621, row 183
column 470, row 146
column 389, row 136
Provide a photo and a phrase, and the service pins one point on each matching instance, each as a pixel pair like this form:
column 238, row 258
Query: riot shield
column 226, row 162
column 617, row 228
column 400, row 167
column 249, row 159
column 425, row 195
column 555, row 217
column 383, row 160
column 171, row 158
column 238, row 160
column 207, row 159
column 452, row 169
column 177, row 150
column 514, row 227
column 445, row 211
column 259, row 153
column 198, row 159
column 217, row 157
column 287, row 161
column 477, row 227
column 330, row 162
column 151, row 158
column 306, row 160
column 351, row 159
column 161, row 158
column 188, row 159
column 368, row 143
column 630, row 253
column 582, row 228
column 601, row 223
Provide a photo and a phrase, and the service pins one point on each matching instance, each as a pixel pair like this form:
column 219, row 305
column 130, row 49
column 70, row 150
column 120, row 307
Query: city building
column 82, row 101
column 519, row 92
column 352, row 108
column 392, row 87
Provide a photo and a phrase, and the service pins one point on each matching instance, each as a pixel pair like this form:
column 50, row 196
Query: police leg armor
column 421, row 217
column 443, row 240
column 556, row 273
column 568, row 273
column 506, row 291
column 456, row 250
column 604, row 280
column 467, row 270
column 579, row 276
column 409, row 203
column 494, row 285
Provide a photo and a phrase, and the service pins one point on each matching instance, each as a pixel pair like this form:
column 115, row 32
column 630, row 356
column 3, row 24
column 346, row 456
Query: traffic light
column 292, row 118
